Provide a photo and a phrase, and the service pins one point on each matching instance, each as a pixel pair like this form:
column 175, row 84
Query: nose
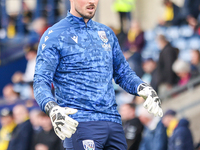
column 92, row 1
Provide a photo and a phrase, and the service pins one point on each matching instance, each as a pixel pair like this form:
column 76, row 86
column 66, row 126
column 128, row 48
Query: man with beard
column 80, row 57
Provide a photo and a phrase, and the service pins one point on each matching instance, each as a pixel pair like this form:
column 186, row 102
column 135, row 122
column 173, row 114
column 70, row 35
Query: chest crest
column 103, row 37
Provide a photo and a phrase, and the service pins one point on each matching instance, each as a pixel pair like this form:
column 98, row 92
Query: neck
column 85, row 20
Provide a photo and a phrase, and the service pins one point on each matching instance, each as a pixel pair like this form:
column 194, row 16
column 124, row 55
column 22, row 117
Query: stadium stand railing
column 178, row 89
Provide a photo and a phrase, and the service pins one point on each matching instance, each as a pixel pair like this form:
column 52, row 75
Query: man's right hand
column 64, row 126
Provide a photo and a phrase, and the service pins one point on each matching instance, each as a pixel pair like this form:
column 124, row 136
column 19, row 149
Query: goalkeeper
column 81, row 57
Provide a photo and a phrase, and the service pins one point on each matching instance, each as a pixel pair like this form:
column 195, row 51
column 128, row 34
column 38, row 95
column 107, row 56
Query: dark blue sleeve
column 122, row 73
column 46, row 64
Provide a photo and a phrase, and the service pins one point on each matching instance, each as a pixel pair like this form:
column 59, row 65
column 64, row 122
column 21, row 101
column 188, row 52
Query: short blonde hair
column 181, row 66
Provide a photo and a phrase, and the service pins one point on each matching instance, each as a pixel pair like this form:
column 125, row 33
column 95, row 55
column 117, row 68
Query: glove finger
column 155, row 110
column 150, row 109
column 73, row 129
column 70, row 111
column 71, row 121
column 68, row 133
column 160, row 112
column 70, row 128
column 59, row 134
column 147, row 103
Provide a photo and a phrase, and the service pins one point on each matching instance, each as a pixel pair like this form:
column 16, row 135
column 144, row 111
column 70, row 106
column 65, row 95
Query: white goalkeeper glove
column 64, row 126
column 152, row 101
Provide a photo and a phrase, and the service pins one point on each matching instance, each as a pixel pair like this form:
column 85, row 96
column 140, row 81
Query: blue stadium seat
column 194, row 42
column 151, row 54
column 160, row 30
column 180, row 43
column 185, row 55
column 151, row 50
column 172, row 33
column 149, row 35
column 186, row 31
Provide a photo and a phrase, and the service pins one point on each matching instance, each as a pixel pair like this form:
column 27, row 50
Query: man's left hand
column 152, row 101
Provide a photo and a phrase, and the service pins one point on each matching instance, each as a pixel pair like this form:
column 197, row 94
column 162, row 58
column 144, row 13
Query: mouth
column 90, row 8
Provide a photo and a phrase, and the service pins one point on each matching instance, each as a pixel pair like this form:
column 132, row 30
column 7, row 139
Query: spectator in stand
column 0, row 18
column 9, row 95
column 30, row 54
column 35, row 120
column 149, row 76
column 124, row 8
column 172, row 15
column 160, row 139
column 39, row 26
column 147, row 135
column 11, row 28
column 47, row 135
column 195, row 63
column 31, row 96
column 197, row 28
column 47, row 10
column 132, row 126
column 191, row 11
column 154, row 134
column 22, row 81
column 22, row 134
column 169, row 120
column 135, row 38
column 166, row 76
column 181, row 138
column 192, row 8
column 8, row 126
column 133, row 46
column 182, row 69
column 135, row 62
column 27, row 16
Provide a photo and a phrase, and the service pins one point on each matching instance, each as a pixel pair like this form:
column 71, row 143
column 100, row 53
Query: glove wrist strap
column 49, row 106
column 142, row 86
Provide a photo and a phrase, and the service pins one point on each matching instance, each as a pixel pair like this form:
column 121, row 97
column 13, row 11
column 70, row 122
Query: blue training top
column 81, row 60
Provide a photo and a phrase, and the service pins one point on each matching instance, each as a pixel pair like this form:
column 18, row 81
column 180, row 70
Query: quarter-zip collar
column 78, row 22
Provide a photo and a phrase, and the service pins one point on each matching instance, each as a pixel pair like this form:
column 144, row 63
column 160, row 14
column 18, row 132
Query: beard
column 89, row 16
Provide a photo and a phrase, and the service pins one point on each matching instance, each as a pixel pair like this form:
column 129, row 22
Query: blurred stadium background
column 23, row 22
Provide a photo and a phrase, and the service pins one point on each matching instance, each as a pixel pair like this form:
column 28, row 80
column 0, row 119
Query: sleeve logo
column 43, row 46
column 50, row 31
column 46, row 38
column 88, row 144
